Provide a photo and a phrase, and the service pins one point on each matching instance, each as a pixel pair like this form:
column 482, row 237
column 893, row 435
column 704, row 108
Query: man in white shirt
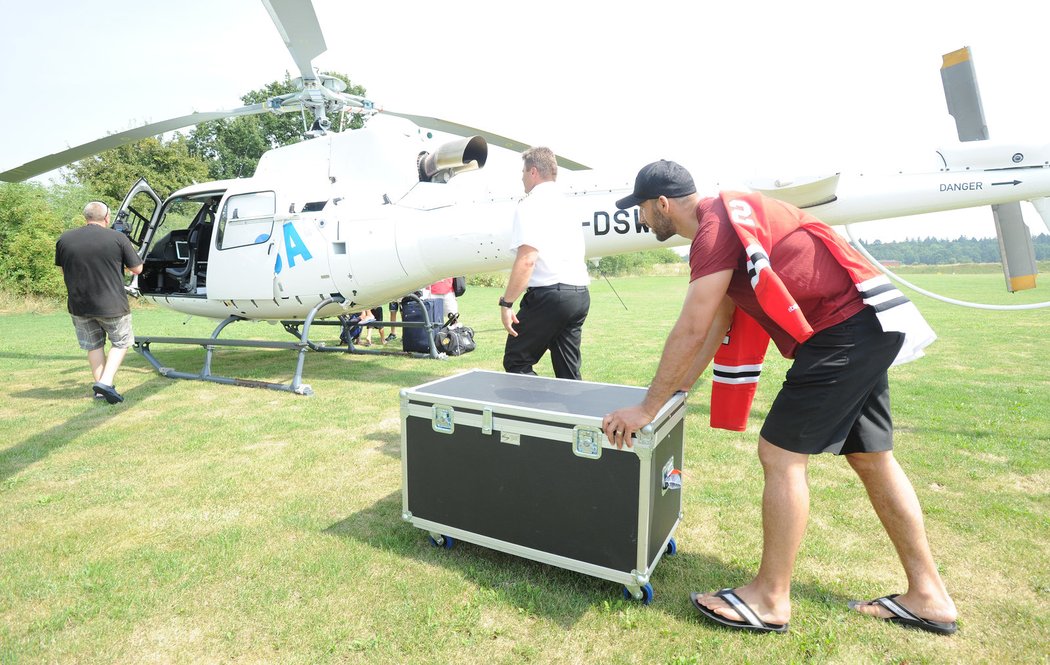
column 551, row 269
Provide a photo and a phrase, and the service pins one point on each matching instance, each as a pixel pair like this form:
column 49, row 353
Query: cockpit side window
column 246, row 219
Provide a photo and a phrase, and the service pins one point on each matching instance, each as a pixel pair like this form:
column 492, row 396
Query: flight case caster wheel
column 645, row 591
column 672, row 548
column 437, row 540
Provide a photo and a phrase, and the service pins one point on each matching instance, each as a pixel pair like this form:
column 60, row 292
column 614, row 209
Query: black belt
column 557, row 287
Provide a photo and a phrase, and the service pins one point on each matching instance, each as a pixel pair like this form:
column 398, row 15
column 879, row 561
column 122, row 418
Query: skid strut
column 299, row 329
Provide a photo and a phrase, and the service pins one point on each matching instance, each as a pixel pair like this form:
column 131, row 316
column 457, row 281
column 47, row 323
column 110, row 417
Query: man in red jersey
column 844, row 325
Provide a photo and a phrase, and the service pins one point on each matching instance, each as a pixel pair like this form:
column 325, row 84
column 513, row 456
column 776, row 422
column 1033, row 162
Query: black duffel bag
column 454, row 341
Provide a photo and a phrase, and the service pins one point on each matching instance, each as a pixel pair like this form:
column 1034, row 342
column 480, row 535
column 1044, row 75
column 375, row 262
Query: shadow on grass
column 42, row 356
column 560, row 595
column 191, row 360
column 96, row 414
column 389, row 443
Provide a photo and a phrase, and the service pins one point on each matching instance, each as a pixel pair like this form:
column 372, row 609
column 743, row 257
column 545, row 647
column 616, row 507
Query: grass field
column 206, row 523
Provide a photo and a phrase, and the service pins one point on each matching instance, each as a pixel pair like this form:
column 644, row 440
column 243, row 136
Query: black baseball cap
column 662, row 178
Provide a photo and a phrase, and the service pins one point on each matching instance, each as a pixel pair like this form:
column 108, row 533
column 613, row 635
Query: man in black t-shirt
column 93, row 259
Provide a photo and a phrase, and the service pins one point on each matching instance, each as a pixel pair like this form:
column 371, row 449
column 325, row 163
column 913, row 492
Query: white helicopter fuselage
column 342, row 215
column 347, row 215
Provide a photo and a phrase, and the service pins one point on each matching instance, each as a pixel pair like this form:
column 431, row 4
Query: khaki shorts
column 92, row 332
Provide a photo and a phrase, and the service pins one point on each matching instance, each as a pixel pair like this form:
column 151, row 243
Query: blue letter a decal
column 294, row 245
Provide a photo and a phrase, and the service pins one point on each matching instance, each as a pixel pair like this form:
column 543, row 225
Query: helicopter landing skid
column 304, row 344
column 347, row 323
column 142, row 345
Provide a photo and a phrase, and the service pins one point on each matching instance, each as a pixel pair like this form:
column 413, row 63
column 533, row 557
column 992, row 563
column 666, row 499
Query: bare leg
column 97, row 360
column 113, row 360
column 895, row 502
column 785, row 512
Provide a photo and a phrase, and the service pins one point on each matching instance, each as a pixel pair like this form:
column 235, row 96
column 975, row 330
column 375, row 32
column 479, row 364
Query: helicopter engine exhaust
column 452, row 158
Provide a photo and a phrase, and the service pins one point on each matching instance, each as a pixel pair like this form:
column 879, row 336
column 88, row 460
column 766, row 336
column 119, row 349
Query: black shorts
column 836, row 396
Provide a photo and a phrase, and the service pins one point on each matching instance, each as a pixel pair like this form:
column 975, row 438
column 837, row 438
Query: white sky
column 733, row 90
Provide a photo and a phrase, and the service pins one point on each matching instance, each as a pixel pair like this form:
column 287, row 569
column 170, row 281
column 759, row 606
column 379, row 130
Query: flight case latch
column 486, row 420
column 443, row 418
column 587, row 441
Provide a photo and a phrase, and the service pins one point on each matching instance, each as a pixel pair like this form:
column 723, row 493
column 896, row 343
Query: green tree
column 29, row 226
column 167, row 165
column 931, row 251
column 1041, row 244
column 232, row 147
column 635, row 262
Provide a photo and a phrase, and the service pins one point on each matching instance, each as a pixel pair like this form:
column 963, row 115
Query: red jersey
column 823, row 289
column 794, row 270
column 441, row 287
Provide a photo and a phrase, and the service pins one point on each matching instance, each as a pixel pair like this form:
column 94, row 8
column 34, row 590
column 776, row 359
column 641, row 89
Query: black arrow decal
column 1011, row 182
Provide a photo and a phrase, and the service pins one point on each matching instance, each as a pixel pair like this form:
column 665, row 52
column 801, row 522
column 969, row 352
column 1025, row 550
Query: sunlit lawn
column 200, row 522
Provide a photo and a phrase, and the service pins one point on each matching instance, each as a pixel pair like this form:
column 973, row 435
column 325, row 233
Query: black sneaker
column 391, row 337
column 109, row 393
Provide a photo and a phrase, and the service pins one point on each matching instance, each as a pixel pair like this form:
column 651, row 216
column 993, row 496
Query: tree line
column 933, row 251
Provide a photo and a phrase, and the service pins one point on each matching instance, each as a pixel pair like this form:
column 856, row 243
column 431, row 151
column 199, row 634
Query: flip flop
column 752, row 623
column 905, row 617
column 109, row 393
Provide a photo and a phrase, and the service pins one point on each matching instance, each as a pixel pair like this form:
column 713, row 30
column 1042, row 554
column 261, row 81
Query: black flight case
column 520, row 464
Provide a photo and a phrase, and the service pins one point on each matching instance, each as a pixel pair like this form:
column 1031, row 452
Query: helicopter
column 346, row 221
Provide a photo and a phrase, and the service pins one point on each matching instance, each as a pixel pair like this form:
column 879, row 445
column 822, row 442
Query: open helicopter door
column 137, row 218
column 138, row 214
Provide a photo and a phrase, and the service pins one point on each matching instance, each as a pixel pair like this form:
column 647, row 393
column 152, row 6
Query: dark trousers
column 550, row 319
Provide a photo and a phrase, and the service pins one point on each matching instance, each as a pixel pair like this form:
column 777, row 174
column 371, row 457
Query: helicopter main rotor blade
column 495, row 139
column 58, row 159
column 297, row 23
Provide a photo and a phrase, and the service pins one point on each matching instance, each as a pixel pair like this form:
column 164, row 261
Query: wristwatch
column 504, row 303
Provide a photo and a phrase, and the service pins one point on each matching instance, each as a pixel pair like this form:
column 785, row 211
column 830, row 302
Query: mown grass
column 200, row 522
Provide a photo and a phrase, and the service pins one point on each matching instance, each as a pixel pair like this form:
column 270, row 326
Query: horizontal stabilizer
column 1015, row 247
column 804, row 192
